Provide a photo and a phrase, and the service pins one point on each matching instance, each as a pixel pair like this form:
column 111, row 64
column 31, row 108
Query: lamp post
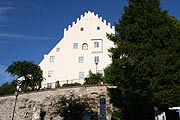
column 16, row 95
column 18, row 84
column 96, row 66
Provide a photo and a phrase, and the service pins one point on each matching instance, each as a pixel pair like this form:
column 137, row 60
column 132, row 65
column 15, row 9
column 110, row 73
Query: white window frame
column 84, row 46
column 96, row 44
column 81, row 59
column 57, row 49
column 50, row 74
column 52, row 59
column 75, row 45
column 81, row 75
column 49, row 85
column 96, row 59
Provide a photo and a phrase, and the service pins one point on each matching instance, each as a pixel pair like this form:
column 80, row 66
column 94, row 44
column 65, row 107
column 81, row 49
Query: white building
column 84, row 44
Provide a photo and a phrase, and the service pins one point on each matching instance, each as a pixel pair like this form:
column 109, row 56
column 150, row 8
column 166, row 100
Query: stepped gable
column 82, row 16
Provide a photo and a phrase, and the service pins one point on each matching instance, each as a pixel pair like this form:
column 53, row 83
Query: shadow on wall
column 42, row 115
column 172, row 115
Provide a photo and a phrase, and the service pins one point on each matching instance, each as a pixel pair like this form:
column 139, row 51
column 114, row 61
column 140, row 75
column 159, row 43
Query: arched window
column 84, row 46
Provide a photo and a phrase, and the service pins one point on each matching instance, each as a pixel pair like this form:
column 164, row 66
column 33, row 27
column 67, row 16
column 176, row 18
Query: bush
column 70, row 85
column 72, row 108
column 93, row 79
column 57, row 85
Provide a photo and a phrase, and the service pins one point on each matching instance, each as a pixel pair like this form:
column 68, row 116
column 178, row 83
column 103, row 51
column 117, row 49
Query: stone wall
column 30, row 105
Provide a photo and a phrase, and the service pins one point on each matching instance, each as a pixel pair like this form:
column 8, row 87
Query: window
column 96, row 59
column 50, row 74
column 49, row 85
column 98, row 28
column 96, row 44
column 75, row 46
column 81, row 75
column 81, row 29
column 57, row 49
column 84, row 46
column 52, row 58
column 81, row 59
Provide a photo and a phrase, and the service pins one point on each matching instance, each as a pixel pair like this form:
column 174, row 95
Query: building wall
column 87, row 30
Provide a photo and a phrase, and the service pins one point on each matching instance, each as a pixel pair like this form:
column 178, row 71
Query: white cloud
column 7, row 6
column 4, row 10
column 10, row 35
column 34, row 4
column 4, row 76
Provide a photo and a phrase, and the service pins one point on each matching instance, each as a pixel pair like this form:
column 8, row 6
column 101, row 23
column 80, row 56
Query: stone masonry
column 29, row 106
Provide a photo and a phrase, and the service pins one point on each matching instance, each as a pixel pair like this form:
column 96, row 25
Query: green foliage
column 27, row 70
column 93, row 79
column 57, row 85
column 72, row 108
column 8, row 88
column 146, row 64
column 71, row 85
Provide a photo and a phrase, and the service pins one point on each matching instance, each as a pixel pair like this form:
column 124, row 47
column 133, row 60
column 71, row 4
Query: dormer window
column 81, row 29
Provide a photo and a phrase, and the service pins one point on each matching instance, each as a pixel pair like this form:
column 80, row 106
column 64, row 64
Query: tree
column 8, row 88
column 93, row 79
column 145, row 62
column 72, row 108
column 29, row 74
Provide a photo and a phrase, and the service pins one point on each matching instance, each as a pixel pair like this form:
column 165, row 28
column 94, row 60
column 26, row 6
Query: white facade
column 84, row 44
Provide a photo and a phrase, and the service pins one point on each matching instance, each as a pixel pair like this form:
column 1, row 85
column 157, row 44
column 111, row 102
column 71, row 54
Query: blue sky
column 31, row 28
